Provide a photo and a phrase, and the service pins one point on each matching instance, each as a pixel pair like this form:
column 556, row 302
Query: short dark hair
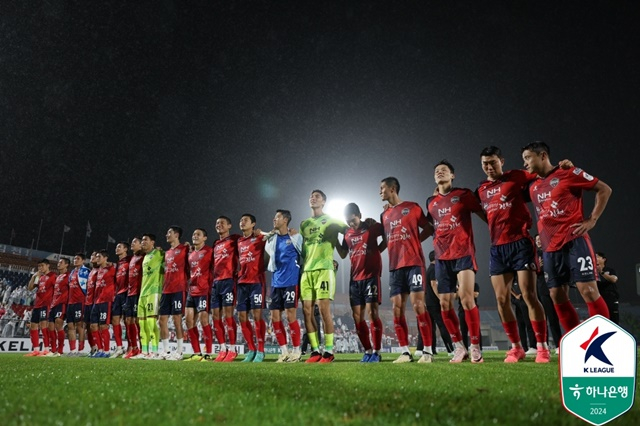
column 352, row 208
column 392, row 182
column 432, row 256
column 601, row 254
column 225, row 218
column 177, row 230
column 81, row 255
column 538, row 147
column 124, row 243
column 286, row 214
column 251, row 217
column 152, row 237
column 322, row 194
column 105, row 253
column 204, row 231
column 137, row 237
column 444, row 162
column 44, row 261
column 490, row 151
column 65, row 260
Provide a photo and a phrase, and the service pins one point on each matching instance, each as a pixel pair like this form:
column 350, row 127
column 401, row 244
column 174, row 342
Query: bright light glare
column 335, row 208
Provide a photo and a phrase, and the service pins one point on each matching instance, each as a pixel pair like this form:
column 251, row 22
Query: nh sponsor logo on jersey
column 544, row 196
column 314, row 229
column 356, row 239
column 395, row 223
column 444, row 211
column 492, row 192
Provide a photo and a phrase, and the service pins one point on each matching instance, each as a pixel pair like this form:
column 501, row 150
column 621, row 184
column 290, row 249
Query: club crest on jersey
column 405, row 212
column 323, row 221
column 455, row 199
column 554, row 182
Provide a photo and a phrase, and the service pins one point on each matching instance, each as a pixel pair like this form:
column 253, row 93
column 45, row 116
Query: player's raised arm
column 603, row 192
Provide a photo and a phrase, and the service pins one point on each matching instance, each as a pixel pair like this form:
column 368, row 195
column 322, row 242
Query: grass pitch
column 83, row 391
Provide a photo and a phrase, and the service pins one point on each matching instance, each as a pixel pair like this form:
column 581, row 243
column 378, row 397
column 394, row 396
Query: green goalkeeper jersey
column 152, row 273
column 320, row 235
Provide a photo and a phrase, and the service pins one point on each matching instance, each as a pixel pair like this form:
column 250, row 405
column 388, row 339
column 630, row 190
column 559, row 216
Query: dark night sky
column 136, row 117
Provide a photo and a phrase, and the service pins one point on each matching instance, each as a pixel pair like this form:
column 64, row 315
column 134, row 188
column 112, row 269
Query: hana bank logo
column 593, row 349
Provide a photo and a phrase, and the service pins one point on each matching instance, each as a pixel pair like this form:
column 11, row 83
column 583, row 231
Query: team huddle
column 205, row 284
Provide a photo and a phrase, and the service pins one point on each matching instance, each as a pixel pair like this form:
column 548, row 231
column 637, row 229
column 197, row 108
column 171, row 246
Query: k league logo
column 598, row 370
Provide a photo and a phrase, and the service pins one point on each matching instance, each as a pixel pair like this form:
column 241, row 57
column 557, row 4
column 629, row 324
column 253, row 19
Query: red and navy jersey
column 366, row 261
column 135, row 275
column 557, row 199
column 78, row 285
column 44, row 293
column 225, row 255
column 91, row 287
column 450, row 215
column 61, row 290
column 176, row 271
column 105, row 284
column 503, row 200
column 122, row 275
column 251, row 259
column 402, row 225
column 201, row 270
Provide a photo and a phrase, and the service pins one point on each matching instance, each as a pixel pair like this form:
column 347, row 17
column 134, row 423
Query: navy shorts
column 284, row 298
column 74, row 312
column 223, row 293
column 573, row 263
column 512, row 257
column 131, row 308
column 39, row 314
column 57, row 311
column 406, row 280
column 119, row 305
column 199, row 303
column 365, row 291
column 172, row 304
column 101, row 313
column 87, row 313
column 447, row 272
column 250, row 296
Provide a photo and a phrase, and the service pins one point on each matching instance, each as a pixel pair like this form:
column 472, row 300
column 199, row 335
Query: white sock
column 165, row 345
column 284, row 350
column 404, row 349
column 180, row 342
